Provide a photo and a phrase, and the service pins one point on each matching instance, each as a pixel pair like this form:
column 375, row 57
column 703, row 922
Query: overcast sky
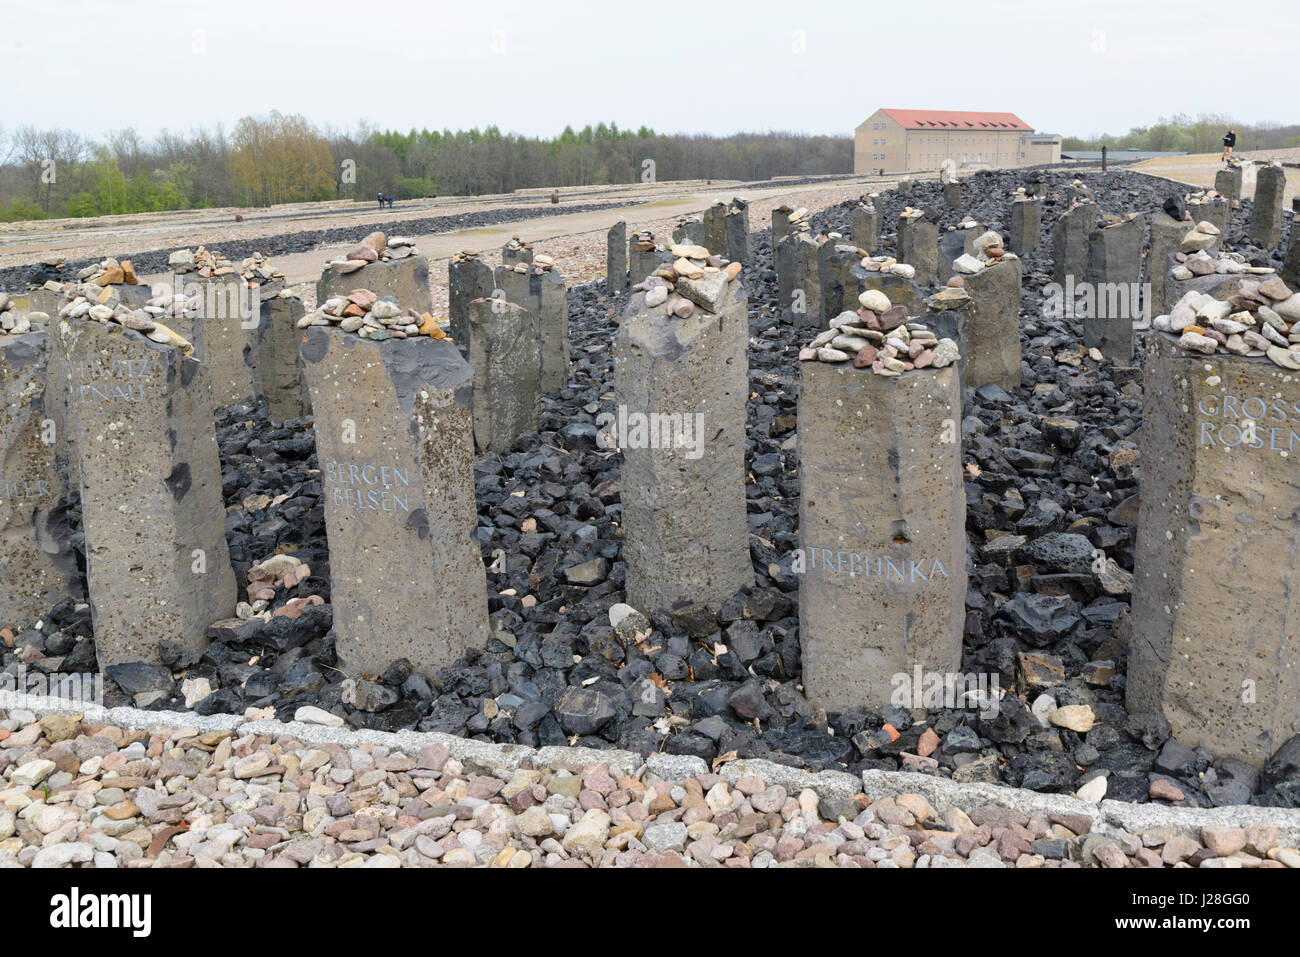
column 817, row 66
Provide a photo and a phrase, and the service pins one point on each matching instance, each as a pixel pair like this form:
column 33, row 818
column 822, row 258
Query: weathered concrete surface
column 406, row 280
column 864, row 223
column 798, row 277
column 918, row 246
column 157, row 565
column 739, row 248
column 1216, row 211
column 1213, row 643
column 952, row 195
column 616, row 259
column 543, row 294
column 685, row 531
column 38, row 565
column 993, row 333
column 397, row 475
column 469, row 277
column 1265, row 228
column 954, row 244
column 714, row 237
column 505, row 354
column 780, row 223
column 1025, row 226
column 1070, row 243
column 882, row 519
column 278, row 340
column 642, row 262
column 220, row 321
column 516, row 251
column 1166, row 235
column 1228, row 182
column 1291, row 264
column 1114, row 258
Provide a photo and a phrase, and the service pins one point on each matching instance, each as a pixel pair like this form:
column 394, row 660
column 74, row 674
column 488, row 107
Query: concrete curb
column 1108, row 816
column 942, row 793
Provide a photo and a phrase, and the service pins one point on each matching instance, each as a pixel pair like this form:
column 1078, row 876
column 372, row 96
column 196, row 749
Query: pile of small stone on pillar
column 681, row 382
column 1213, row 643
column 394, row 439
column 882, row 506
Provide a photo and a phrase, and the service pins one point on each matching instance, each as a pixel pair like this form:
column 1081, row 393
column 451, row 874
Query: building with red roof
column 904, row 141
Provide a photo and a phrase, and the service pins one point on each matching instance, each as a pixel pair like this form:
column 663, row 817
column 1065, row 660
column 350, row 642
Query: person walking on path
column 1229, row 141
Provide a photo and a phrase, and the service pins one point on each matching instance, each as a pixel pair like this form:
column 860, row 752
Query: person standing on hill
column 1229, row 141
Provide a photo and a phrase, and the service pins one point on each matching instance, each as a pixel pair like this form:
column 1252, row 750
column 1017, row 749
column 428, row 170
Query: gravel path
column 78, row 793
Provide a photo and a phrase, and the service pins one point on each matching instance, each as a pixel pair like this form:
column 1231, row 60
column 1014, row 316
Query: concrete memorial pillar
column 865, row 224
column 780, row 223
column 1166, row 237
column 1025, row 226
column 690, row 231
column 505, row 354
column 1228, row 182
column 469, row 277
column 955, row 243
column 918, row 245
column 645, row 255
column 738, row 247
column 541, row 291
column 882, row 513
column 278, row 340
column 1217, row 211
column 223, row 313
column 517, row 251
column 1265, row 228
column 798, row 277
column 681, row 381
column 1291, row 264
column 714, row 236
column 394, row 439
column 157, row 564
column 1077, row 192
column 404, row 275
column 1213, row 638
column 1070, row 242
column 1114, row 261
column 952, row 195
column 616, row 282
column 38, row 563
column 992, row 346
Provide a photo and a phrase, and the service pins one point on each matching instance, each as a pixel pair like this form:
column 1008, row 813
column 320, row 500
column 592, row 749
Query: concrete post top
column 909, row 214
column 466, row 254
column 135, row 325
column 881, row 338
column 1244, row 317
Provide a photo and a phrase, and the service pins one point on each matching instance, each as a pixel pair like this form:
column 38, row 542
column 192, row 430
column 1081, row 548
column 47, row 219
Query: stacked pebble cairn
column 466, row 255
column 257, row 269
column 1201, row 197
column 541, row 263
column 887, row 264
column 374, row 248
column 98, row 304
column 796, row 216
column 273, row 576
column 370, row 317
column 517, row 245
column 1262, row 319
column 106, row 272
column 644, row 241
column 1195, row 257
column 881, row 337
column 989, row 251
column 12, row 324
column 202, row 261
column 695, row 278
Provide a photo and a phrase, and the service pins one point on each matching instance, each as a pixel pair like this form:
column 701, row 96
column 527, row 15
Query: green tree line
column 285, row 158
column 1183, row 134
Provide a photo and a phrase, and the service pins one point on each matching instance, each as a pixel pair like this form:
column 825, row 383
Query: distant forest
column 264, row 160
column 1182, row 134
